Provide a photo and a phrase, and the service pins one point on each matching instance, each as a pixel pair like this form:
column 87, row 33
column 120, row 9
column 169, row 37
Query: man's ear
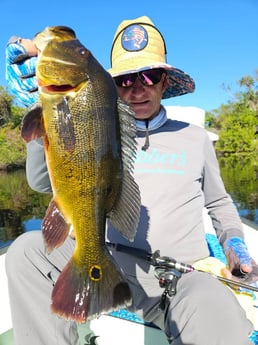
column 165, row 84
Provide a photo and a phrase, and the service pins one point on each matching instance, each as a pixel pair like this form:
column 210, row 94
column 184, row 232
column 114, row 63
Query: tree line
column 237, row 121
column 13, row 150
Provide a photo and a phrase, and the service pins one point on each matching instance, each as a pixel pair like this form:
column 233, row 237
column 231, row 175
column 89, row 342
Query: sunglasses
column 148, row 78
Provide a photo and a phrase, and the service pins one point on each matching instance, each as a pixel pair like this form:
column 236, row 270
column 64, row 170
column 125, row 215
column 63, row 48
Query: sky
column 215, row 41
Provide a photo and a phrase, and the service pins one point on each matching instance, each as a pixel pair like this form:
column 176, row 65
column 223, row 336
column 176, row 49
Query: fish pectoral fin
column 125, row 213
column 55, row 229
column 32, row 124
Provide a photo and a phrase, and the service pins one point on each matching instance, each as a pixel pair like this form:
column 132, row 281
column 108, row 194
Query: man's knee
column 16, row 255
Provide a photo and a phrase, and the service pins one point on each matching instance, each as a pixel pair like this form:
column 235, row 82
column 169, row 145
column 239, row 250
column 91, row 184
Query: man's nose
column 138, row 84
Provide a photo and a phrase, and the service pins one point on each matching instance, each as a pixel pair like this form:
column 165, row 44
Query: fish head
column 63, row 66
column 53, row 33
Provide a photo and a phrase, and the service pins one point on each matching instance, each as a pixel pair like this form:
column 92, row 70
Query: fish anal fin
column 78, row 297
column 32, row 124
column 55, row 229
column 125, row 213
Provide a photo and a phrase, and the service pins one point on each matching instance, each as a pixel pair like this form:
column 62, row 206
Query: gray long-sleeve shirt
column 178, row 175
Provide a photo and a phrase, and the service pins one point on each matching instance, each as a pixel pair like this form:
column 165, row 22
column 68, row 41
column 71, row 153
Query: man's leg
column 31, row 275
column 203, row 312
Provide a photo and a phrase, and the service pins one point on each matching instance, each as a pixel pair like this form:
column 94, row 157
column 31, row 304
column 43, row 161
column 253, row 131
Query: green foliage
column 250, row 95
column 237, row 131
column 12, row 148
column 9, row 112
column 17, row 116
column 237, row 121
column 5, row 106
column 218, row 116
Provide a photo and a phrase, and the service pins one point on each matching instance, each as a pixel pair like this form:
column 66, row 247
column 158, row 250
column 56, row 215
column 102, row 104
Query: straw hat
column 138, row 45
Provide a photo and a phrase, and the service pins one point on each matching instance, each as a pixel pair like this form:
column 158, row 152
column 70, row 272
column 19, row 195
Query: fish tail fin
column 84, row 292
column 54, row 227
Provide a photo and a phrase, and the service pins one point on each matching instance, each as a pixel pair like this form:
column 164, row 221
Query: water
column 240, row 176
column 22, row 209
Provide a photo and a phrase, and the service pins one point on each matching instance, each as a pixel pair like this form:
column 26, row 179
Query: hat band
column 138, row 23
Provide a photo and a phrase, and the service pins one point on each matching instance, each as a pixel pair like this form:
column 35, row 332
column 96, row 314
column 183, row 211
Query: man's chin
column 141, row 114
column 141, row 118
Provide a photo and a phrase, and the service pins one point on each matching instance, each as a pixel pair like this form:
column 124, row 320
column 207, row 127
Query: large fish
column 89, row 141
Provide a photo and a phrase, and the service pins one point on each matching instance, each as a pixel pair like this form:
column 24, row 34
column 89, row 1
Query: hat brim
column 180, row 83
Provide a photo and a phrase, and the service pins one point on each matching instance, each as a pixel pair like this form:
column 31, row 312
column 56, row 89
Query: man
column 177, row 172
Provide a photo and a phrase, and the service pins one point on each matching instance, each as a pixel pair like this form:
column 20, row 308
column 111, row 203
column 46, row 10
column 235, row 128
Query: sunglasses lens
column 151, row 77
column 126, row 80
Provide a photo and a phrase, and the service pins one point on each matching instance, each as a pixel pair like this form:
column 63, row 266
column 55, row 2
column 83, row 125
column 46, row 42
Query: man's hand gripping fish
column 89, row 141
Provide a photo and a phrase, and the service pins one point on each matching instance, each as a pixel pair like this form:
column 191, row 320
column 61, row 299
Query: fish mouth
column 52, row 88
column 57, row 88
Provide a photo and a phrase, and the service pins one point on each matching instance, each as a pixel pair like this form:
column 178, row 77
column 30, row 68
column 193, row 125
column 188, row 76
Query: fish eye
column 83, row 51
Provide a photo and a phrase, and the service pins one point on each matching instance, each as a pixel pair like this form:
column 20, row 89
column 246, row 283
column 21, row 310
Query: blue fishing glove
column 20, row 73
column 239, row 260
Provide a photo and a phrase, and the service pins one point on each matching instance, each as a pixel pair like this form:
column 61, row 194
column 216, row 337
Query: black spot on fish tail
column 65, row 126
column 77, row 296
column 55, row 229
column 95, row 273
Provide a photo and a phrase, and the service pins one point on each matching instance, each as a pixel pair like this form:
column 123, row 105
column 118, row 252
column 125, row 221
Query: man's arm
column 36, row 167
column 221, row 209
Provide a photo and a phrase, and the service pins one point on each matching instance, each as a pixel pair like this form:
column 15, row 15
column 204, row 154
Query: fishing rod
column 164, row 262
column 168, row 270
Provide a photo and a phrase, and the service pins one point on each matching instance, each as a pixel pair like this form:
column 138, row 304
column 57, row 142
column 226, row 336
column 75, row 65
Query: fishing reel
column 168, row 271
column 168, row 278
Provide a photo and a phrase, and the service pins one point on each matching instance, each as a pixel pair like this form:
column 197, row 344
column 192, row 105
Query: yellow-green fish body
column 89, row 147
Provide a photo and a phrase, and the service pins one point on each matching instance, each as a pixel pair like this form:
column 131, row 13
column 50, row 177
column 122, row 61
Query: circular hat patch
column 134, row 38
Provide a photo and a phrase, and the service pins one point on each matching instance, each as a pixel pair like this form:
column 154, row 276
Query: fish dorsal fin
column 125, row 214
column 32, row 124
